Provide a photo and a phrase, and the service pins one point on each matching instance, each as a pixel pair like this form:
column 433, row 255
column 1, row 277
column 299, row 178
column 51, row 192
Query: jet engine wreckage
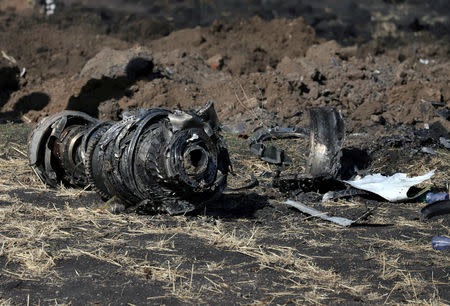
column 157, row 160
column 164, row 161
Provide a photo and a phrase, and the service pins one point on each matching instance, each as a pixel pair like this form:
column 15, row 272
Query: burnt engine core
column 165, row 161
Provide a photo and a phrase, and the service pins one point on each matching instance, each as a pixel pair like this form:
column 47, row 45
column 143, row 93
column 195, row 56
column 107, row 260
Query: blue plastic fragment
column 434, row 197
column 440, row 243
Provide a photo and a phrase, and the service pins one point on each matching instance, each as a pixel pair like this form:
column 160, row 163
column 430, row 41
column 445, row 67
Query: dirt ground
column 384, row 64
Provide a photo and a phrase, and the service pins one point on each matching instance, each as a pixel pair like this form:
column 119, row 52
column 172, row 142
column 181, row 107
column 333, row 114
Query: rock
column 128, row 64
column 215, row 62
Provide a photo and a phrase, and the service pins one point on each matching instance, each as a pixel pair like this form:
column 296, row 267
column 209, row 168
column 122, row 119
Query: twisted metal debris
column 163, row 160
column 326, row 139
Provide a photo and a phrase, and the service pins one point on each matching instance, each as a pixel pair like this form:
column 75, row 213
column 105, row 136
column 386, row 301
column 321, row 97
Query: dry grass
column 28, row 231
column 7, row 302
column 299, row 269
column 408, row 282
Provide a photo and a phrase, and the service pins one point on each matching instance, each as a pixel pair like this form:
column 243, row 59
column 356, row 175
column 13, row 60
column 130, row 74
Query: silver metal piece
column 316, row 213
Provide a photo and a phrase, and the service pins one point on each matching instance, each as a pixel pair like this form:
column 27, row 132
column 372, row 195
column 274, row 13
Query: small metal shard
column 272, row 154
column 438, row 208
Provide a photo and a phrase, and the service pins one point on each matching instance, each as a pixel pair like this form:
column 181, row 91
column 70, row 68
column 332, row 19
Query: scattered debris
column 278, row 133
column 425, row 61
column 326, row 138
column 428, row 150
column 433, row 102
column 47, row 7
column 392, row 188
column 23, row 72
column 445, row 142
column 444, row 113
column 434, row 197
column 163, row 160
column 436, row 209
column 421, row 195
column 334, row 195
column 169, row 71
column 266, row 173
column 334, row 61
column 315, row 213
column 272, row 154
column 440, row 243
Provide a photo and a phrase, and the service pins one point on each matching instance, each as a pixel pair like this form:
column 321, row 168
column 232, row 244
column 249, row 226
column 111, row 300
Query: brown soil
column 279, row 67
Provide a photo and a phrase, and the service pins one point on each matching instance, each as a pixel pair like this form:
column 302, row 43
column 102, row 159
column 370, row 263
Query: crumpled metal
column 157, row 159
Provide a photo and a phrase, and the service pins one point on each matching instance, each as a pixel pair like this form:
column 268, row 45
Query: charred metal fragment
column 334, row 195
column 327, row 131
column 326, row 139
column 172, row 161
column 438, row 208
column 272, row 154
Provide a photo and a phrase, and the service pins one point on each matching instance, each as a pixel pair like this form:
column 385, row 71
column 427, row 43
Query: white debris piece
column 49, row 7
column 426, row 61
column 23, row 72
column 392, row 188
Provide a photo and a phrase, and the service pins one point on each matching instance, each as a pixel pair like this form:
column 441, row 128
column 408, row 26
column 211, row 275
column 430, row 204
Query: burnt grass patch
column 63, row 245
